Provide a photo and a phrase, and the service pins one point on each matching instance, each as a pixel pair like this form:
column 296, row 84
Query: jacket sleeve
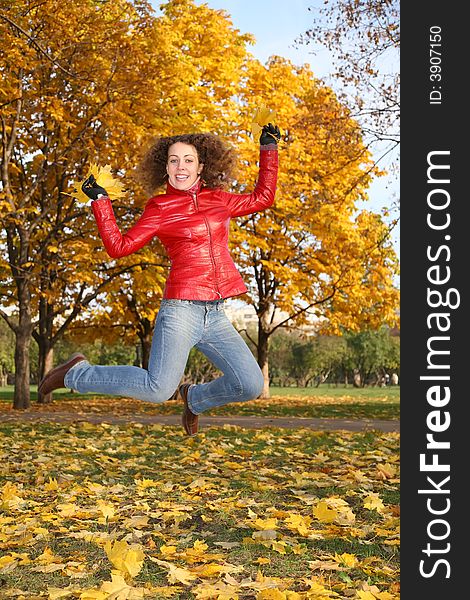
column 263, row 195
column 116, row 243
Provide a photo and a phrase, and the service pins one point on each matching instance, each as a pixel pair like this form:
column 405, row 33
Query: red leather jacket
column 193, row 225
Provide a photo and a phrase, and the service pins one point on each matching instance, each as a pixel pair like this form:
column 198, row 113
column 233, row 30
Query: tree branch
column 53, row 60
column 303, row 310
column 8, row 320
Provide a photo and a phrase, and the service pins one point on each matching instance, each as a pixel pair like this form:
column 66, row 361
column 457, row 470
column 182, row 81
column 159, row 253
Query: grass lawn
column 87, row 510
column 325, row 401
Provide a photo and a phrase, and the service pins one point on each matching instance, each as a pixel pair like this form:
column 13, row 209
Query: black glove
column 92, row 189
column 270, row 134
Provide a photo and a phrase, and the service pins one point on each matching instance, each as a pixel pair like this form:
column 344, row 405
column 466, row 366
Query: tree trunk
column 145, row 336
column 138, row 355
column 21, row 397
column 43, row 337
column 263, row 352
column 357, row 379
column 46, row 362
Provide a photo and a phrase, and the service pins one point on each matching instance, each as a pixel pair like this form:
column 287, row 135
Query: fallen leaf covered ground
column 110, row 512
column 346, row 406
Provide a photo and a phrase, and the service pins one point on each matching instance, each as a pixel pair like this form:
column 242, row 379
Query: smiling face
column 183, row 166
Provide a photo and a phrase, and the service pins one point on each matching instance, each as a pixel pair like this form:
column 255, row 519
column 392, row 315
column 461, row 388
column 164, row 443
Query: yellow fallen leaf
column 299, row 523
column 49, row 568
column 216, row 591
column 263, row 524
column 372, row 591
column 271, row 594
column 94, row 595
column 265, row 534
column 137, row 522
column 323, row 513
column 279, row 547
column 48, row 557
column 349, row 560
column 373, row 502
column 106, row 508
column 167, row 550
column 52, row 485
column 386, row 471
column 67, row 509
column 199, row 548
column 118, row 589
column 180, row 575
column 324, row 565
column 365, row 595
column 318, row 590
column 206, row 519
column 162, row 591
column 56, row 593
column 95, row 488
column 127, row 559
column 209, row 571
column 146, row 483
column 176, row 574
column 10, row 498
column 227, row 545
column 8, row 563
column 233, row 465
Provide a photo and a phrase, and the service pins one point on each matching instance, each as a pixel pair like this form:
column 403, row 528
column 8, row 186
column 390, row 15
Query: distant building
column 243, row 316
column 240, row 314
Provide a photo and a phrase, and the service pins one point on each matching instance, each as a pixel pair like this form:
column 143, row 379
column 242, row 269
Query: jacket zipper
column 194, row 196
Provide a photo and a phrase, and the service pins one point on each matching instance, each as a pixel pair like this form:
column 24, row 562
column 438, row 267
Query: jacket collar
column 196, row 187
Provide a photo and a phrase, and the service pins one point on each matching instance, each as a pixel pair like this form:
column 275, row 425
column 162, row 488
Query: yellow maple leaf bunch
column 262, row 116
column 104, row 178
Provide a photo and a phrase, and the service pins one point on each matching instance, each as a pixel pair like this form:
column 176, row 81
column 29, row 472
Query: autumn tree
column 311, row 254
column 203, row 100
column 126, row 76
column 363, row 37
column 64, row 105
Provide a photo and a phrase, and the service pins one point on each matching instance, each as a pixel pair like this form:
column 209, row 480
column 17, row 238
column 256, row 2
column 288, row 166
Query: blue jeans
column 181, row 325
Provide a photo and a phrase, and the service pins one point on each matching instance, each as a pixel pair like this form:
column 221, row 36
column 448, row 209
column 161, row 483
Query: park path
column 248, row 422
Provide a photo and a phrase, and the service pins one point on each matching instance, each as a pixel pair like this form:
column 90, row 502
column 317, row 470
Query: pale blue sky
column 276, row 25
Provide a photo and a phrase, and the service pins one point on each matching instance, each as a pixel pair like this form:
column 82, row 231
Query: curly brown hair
column 218, row 157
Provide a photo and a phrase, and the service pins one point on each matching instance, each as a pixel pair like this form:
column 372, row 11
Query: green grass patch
column 322, row 402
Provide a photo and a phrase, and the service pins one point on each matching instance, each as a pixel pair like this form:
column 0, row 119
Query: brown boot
column 188, row 419
column 55, row 378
